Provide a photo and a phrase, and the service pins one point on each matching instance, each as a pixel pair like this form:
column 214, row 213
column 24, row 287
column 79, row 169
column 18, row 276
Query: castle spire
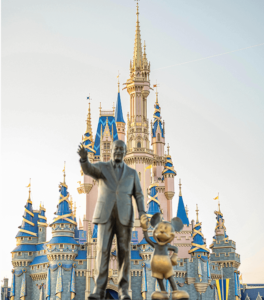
column 153, row 202
column 28, row 227
column 181, row 211
column 119, row 119
column 137, row 57
column 88, row 136
column 64, row 211
column 198, row 244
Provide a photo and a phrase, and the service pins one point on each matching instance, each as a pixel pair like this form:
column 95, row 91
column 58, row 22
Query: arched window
column 158, row 137
column 138, row 145
column 139, row 175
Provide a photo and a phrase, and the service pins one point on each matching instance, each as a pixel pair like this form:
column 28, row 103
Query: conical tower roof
column 198, row 244
column 168, row 168
column 118, row 111
column 42, row 220
column 181, row 212
column 28, row 227
column 157, row 118
column 88, row 136
column 64, row 209
column 153, row 202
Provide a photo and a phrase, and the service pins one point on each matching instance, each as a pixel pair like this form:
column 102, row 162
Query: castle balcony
column 139, row 150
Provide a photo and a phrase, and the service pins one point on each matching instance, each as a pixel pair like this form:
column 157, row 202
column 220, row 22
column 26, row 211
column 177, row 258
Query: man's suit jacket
column 111, row 191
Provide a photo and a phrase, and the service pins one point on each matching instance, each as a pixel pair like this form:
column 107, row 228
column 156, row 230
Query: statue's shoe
column 180, row 295
column 162, row 295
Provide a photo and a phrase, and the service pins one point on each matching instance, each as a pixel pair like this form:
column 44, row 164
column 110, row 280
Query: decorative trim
column 38, row 276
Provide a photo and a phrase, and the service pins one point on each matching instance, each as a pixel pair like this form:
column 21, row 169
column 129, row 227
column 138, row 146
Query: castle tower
column 153, row 202
column 139, row 155
column 25, row 251
column 106, row 142
column 169, row 174
column 224, row 254
column 62, row 249
column 119, row 120
column 200, row 256
column 184, row 237
column 42, row 225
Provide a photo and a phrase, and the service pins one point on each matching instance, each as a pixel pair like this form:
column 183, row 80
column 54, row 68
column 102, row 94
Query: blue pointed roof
column 153, row 202
column 181, row 212
column 101, row 125
column 28, row 227
column 118, row 110
column 168, row 168
column 64, row 212
column 198, row 244
column 42, row 220
column 157, row 120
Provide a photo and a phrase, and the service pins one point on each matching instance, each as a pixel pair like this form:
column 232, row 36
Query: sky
column 206, row 56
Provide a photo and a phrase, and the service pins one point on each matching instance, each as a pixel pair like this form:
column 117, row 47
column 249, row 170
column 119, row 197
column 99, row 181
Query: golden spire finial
column 168, row 148
column 187, row 210
column 88, row 120
column 64, row 173
column 218, row 204
column 29, row 189
column 156, row 86
column 137, row 59
column 118, row 83
column 100, row 108
column 180, row 192
column 197, row 211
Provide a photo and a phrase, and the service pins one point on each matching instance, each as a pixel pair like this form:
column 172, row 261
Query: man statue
column 114, row 214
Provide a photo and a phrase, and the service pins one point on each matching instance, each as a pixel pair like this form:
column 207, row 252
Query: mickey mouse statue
column 161, row 262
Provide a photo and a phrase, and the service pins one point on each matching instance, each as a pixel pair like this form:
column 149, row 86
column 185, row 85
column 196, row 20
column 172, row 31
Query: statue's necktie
column 118, row 172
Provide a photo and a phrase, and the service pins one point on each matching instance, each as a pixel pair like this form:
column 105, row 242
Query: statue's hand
column 82, row 152
column 174, row 259
column 144, row 222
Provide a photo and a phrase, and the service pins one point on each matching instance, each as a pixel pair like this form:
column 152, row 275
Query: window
column 19, row 253
column 62, row 225
column 30, row 238
column 61, row 246
column 134, row 247
column 136, row 262
column 80, row 262
column 139, row 175
column 32, row 268
column 40, row 229
column 138, row 145
column 158, row 137
column 72, row 246
column 70, row 226
column 30, row 253
column 107, row 146
column 106, row 157
column 82, row 247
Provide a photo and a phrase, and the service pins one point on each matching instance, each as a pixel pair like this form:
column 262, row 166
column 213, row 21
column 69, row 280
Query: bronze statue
column 161, row 262
column 114, row 214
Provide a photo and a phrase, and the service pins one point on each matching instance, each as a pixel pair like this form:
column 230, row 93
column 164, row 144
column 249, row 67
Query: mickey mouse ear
column 177, row 224
column 156, row 219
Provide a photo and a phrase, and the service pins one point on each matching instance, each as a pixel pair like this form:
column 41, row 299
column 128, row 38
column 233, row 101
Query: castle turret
column 120, row 123
column 183, row 238
column 224, row 254
column 62, row 249
column 42, row 225
column 168, row 174
column 157, row 139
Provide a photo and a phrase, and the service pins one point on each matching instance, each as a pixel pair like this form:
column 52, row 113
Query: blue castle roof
column 64, row 212
column 29, row 223
column 82, row 254
column 157, row 121
column 42, row 259
column 25, row 248
column 168, row 168
column 42, row 220
column 101, row 125
column 118, row 110
column 144, row 242
column 62, row 240
column 153, row 203
column 181, row 212
column 198, row 244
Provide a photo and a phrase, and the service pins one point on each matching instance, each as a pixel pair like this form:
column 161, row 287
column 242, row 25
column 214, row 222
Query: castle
column 64, row 267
